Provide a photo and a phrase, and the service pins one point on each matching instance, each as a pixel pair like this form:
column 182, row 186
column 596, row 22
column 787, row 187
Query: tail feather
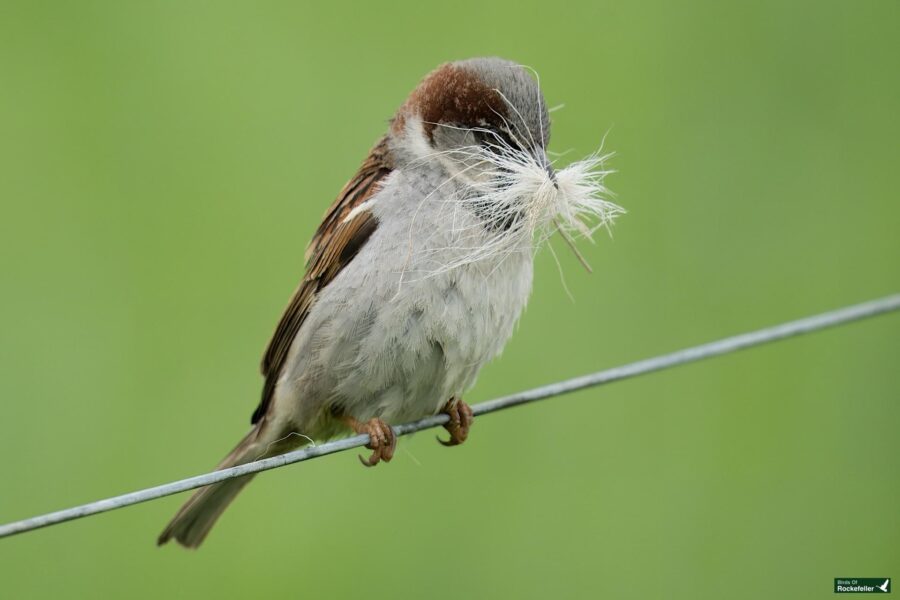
column 192, row 523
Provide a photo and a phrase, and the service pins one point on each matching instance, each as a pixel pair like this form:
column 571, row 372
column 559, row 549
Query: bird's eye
column 494, row 140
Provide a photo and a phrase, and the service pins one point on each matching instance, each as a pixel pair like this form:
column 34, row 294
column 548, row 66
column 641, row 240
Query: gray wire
column 658, row 363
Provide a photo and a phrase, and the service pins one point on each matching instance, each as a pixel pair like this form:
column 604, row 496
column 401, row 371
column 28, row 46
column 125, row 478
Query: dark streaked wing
column 333, row 246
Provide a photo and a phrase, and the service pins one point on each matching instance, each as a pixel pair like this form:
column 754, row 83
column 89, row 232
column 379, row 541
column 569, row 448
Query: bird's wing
column 335, row 243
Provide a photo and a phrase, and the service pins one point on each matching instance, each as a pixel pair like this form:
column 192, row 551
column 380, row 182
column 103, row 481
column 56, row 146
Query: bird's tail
column 192, row 523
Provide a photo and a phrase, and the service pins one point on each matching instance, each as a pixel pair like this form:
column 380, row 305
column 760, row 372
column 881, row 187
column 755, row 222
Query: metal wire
column 658, row 363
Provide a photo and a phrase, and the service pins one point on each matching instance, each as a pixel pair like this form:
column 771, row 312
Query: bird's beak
column 551, row 173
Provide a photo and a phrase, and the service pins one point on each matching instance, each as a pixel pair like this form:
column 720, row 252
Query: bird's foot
column 461, row 419
column 382, row 440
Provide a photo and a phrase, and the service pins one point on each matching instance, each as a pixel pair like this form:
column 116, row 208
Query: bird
column 884, row 586
column 417, row 274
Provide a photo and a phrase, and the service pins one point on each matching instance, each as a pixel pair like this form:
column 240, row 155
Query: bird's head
column 482, row 126
column 463, row 113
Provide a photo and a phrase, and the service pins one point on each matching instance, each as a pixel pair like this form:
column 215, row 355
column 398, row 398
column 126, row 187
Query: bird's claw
column 461, row 419
column 382, row 441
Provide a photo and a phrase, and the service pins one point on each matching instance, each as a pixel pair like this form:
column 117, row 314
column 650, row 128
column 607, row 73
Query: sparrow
column 417, row 274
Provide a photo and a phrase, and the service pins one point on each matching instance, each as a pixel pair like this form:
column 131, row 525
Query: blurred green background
column 162, row 165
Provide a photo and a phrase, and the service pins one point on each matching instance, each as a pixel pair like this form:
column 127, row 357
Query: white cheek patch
column 415, row 138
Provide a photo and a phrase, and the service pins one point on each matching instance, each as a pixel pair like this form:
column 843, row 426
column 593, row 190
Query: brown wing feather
column 333, row 246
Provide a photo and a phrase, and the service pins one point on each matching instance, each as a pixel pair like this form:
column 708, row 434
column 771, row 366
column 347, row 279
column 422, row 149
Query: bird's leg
column 382, row 441
column 461, row 419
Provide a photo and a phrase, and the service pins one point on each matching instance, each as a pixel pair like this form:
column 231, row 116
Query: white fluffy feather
column 512, row 187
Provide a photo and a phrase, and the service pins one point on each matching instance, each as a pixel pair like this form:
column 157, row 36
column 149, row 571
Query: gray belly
column 399, row 351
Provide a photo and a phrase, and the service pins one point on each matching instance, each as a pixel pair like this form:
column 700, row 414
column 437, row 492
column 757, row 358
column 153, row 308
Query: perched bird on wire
column 417, row 273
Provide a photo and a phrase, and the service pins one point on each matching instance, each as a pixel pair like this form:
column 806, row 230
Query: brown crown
column 452, row 94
